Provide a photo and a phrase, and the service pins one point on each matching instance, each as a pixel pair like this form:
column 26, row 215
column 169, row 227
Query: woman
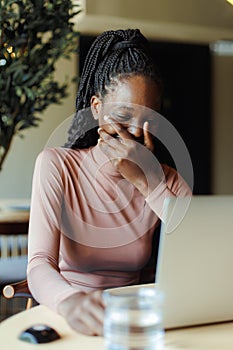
column 96, row 202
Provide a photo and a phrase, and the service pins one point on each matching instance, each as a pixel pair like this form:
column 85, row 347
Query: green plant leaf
column 34, row 35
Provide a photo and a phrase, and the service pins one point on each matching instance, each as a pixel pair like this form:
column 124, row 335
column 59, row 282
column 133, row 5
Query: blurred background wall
column 197, row 22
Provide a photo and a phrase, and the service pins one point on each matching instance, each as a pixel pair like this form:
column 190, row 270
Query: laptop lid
column 195, row 262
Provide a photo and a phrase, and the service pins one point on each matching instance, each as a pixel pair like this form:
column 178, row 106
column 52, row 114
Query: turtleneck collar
column 103, row 162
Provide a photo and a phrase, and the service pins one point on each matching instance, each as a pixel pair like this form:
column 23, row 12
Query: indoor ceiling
column 210, row 13
column 197, row 20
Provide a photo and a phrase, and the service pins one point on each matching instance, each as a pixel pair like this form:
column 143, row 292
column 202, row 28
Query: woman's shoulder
column 51, row 155
column 60, row 158
column 55, row 151
column 60, row 153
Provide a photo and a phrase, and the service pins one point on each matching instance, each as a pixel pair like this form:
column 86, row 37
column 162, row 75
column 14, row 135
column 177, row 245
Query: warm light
column 230, row 1
column 9, row 49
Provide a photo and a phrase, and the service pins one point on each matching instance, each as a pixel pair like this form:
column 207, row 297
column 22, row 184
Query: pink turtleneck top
column 89, row 227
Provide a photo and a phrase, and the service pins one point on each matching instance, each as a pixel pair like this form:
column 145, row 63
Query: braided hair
column 114, row 55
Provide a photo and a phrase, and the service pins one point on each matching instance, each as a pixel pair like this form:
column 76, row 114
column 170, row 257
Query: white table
column 214, row 337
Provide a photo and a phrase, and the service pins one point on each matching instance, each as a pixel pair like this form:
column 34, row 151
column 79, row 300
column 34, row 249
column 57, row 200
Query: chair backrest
column 13, row 256
column 19, row 289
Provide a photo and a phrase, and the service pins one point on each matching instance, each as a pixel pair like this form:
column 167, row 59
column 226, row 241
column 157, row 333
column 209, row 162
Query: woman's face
column 130, row 103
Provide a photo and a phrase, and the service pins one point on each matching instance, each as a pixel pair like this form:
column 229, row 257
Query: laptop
column 195, row 261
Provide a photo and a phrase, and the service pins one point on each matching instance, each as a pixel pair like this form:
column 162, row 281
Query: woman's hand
column 135, row 162
column 84, row 312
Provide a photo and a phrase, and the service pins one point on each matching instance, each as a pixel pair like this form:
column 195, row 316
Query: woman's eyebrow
column 125, row 107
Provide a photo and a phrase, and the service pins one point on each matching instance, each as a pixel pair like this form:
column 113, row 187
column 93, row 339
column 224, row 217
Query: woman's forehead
column 129, row 109
column 135, row 90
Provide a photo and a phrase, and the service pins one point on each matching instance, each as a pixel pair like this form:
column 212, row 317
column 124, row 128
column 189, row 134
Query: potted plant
column 34, row 34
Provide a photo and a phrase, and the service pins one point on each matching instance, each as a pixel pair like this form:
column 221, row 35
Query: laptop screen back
column 195, row 263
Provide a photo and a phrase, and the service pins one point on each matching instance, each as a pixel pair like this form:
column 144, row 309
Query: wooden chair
column 18, row 289
column 13, row 258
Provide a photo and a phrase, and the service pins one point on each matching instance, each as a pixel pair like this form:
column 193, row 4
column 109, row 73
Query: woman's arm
column 83, row 311
column 45, row 281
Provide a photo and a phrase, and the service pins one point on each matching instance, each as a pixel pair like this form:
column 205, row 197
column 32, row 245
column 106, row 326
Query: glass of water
column 133, row 319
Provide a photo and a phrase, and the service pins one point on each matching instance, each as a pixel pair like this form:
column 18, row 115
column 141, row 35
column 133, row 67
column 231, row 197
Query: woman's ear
column 96, row 106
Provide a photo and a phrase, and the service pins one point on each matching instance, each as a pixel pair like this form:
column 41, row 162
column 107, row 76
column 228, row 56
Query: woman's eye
column 122, row 117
